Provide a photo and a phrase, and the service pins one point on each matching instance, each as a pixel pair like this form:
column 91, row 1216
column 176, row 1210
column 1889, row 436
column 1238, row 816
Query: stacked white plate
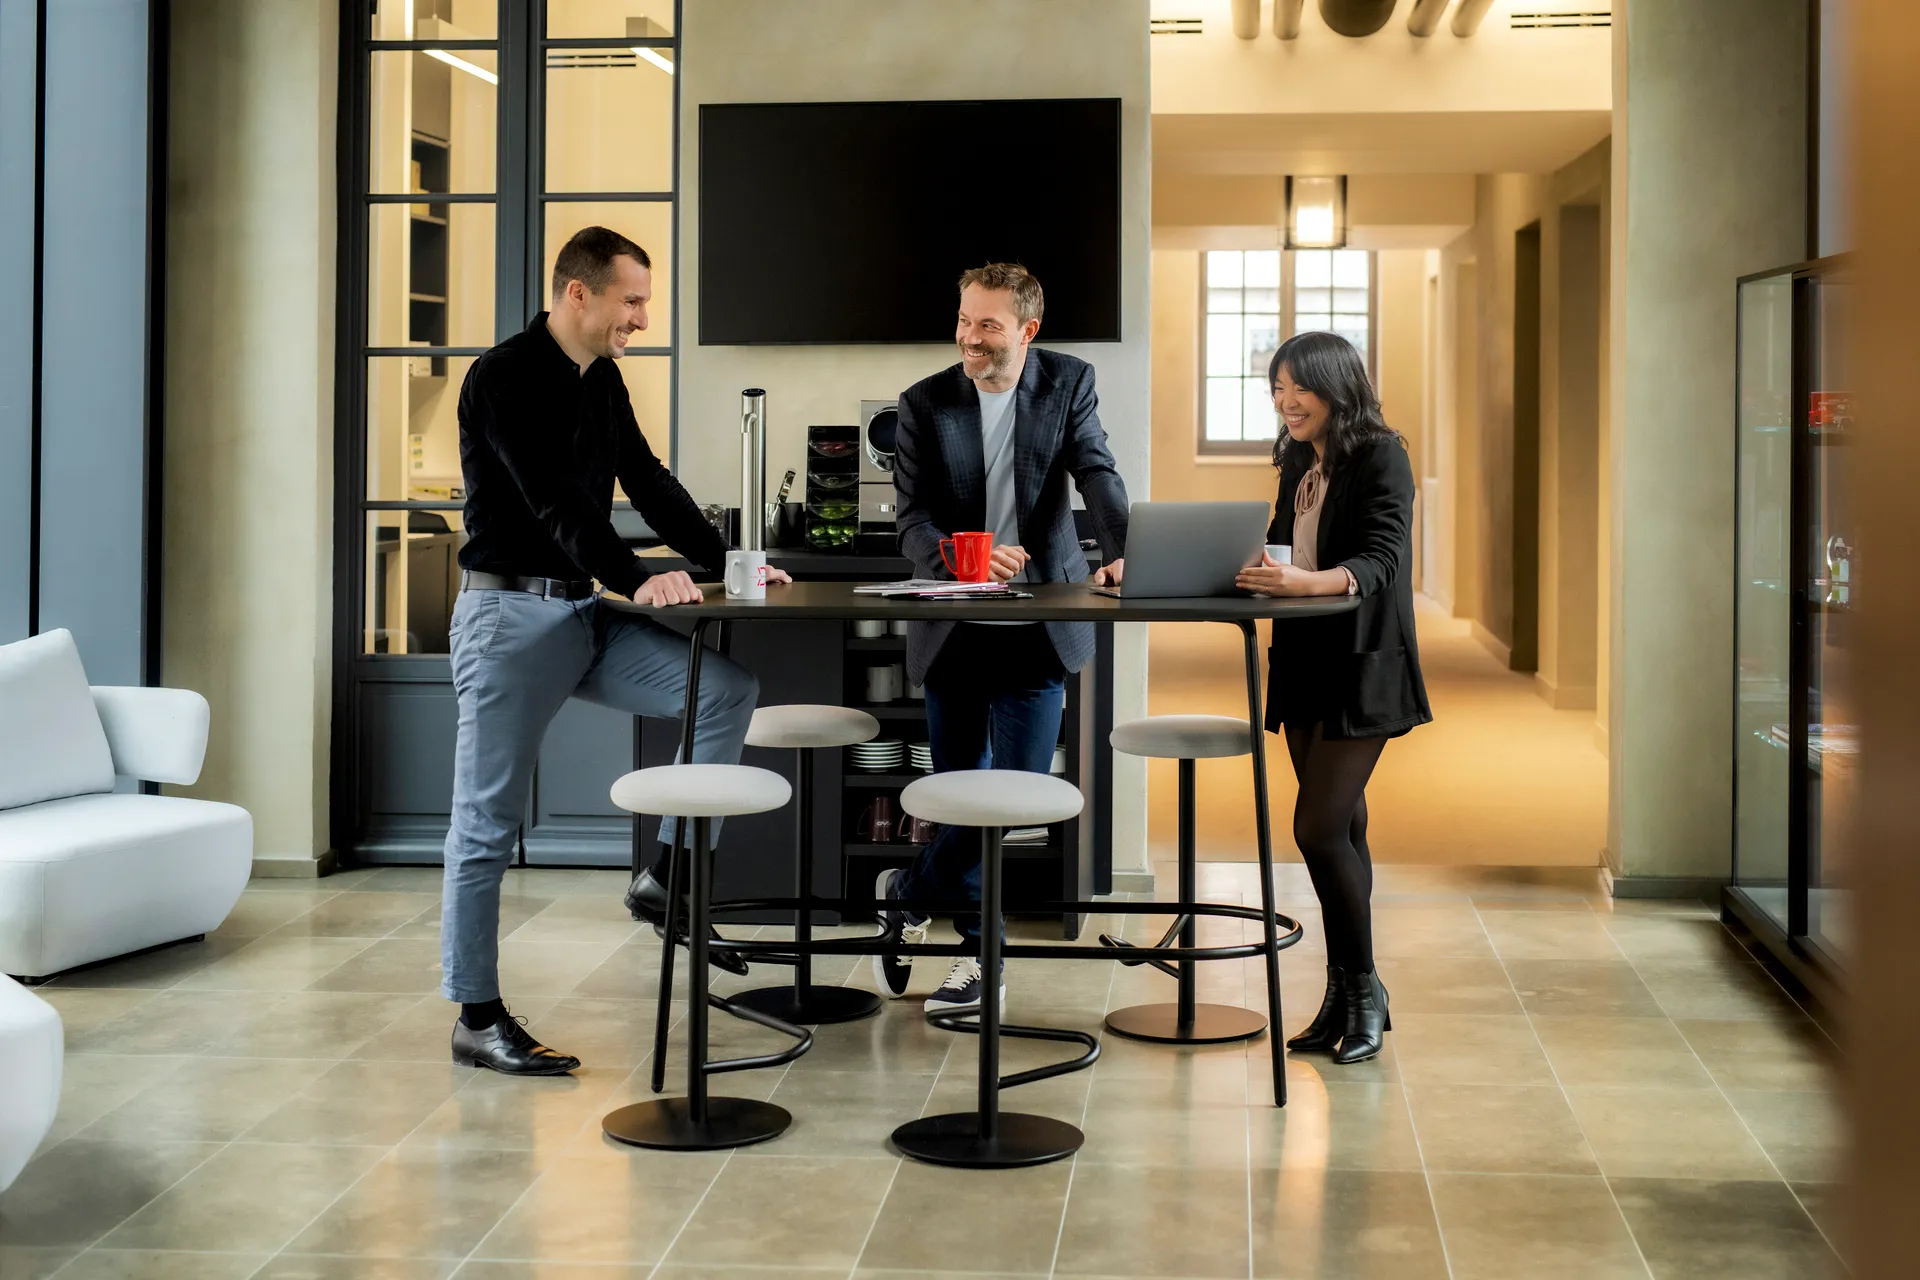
column 880, row 755
column 922, row 754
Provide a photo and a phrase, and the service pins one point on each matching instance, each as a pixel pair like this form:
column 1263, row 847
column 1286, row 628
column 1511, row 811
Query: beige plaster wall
column 248, row 546
column 1709, row 185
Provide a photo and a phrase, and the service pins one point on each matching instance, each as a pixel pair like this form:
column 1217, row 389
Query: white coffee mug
column 1280, row 554
column 746, row 577
column 898, row 628
column 870, row 628
column 917, row 692
column 881, row 684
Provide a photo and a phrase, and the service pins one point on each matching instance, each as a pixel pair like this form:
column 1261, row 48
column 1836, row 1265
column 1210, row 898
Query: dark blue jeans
column 994, row 699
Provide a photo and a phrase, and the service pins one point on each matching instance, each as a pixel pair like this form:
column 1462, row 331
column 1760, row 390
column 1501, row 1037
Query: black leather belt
column 545, row 588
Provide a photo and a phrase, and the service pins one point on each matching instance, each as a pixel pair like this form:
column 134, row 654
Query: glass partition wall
column 476, row 137
column 1798, row 579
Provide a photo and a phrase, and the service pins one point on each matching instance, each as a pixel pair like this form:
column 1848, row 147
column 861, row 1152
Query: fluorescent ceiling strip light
column 442, row 55
column 655, row 59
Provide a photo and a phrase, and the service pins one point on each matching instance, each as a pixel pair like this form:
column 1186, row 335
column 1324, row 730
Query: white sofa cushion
column 53, row 744
column 31, row 1051
column 89, row 877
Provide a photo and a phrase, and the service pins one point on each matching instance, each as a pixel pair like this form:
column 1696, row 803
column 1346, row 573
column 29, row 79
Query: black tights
column 1330, row 829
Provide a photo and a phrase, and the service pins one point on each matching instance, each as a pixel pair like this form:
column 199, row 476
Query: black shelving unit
column 1035, row 873
column 428, row 251
column 1795, row 743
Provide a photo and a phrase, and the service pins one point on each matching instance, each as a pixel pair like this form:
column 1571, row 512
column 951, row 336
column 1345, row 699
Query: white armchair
column 31, row 1054
column 87, row 873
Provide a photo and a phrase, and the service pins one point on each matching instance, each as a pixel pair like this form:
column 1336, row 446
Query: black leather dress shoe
column 506, row 1047
column 647, row 900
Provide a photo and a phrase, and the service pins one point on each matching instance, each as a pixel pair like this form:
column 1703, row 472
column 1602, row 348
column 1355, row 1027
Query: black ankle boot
column 1328, row 1025
column 1367, row 1020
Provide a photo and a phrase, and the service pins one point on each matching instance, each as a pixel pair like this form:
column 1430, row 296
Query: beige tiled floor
column 1574, row 1088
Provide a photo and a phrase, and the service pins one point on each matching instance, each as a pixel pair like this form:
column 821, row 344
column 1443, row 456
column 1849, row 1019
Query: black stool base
column 816, row 1006
column 1212, row 1024
column 954, row 1139
column 666, row 1124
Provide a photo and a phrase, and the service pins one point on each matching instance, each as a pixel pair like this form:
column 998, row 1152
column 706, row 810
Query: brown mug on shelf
column 918, row 830
column 877, row 824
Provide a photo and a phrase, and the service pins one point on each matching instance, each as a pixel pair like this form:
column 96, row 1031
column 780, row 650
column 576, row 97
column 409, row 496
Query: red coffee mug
column 972, row 559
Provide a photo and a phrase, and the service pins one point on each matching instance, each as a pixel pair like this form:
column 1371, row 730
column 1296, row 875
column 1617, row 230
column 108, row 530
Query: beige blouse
column 1307, row 501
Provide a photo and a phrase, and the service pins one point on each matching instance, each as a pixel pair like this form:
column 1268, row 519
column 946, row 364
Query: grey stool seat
column 801, row 728
column 992, row 798
column 802, row 725
column 1183, row 737
column 700, row 790
column 697, row 1122
column 987, row 1138
column 1186, row 739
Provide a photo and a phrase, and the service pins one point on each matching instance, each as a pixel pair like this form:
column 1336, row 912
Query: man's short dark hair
column 588, row 258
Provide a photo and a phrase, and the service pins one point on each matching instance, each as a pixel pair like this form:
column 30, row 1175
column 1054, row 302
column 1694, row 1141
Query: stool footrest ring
column 970, row 1024
column 801, row 1035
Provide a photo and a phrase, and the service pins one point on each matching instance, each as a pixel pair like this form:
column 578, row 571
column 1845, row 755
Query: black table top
column 1051, row 602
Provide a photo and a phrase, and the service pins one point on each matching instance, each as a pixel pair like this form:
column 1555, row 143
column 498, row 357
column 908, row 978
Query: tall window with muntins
column 1252, row 300
column 470, row 166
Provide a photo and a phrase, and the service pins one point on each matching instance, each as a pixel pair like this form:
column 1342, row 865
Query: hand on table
column 1271, row 578
column 664, row 589
column 1006, row 561
column 775, row 576
column 1108, row 575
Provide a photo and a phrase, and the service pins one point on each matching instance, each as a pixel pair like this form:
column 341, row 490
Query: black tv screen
column 850, row 222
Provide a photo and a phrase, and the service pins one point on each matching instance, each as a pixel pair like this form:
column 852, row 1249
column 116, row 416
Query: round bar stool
column 805, row 728
column 987, row 1138
column 698, row 1122
column 1182, row 738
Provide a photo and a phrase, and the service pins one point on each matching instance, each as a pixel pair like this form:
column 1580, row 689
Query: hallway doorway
column 1499, row 778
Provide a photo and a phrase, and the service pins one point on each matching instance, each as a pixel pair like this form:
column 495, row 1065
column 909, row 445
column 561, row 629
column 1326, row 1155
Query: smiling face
column 991, row 337
column 1304, row 413
column 607, row 320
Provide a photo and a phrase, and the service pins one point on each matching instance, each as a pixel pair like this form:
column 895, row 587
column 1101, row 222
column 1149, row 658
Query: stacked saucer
column 880, row 755
column 922, row 754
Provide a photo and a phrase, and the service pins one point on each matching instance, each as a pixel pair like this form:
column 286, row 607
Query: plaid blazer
column 940, row 473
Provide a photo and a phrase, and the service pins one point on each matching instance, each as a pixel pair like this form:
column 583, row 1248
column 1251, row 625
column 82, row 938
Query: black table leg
column 1263, row 824
column 803, row 1002
column 663, row 1014
column 1186, row 1021
column 697, row 1122
column 987, row 1138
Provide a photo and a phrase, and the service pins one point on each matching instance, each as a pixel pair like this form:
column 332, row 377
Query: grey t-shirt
column 996, row 445
column 996, row 441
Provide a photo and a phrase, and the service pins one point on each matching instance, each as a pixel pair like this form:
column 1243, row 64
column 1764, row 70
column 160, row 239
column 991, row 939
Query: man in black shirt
column 546, row 427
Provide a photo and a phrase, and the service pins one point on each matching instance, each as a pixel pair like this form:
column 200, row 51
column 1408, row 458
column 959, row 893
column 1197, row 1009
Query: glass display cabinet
column 1798, row 577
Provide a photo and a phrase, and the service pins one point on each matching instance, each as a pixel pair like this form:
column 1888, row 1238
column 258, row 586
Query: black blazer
column 940, row 473
column 1358, row 672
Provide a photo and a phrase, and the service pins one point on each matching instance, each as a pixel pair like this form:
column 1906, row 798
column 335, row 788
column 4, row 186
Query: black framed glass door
column 475, row 137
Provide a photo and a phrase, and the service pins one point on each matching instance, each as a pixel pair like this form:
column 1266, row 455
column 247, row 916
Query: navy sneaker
column 961, row 992
column 893, row 971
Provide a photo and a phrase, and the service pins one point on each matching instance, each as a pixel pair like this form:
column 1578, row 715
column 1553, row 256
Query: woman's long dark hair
column 1329, row 366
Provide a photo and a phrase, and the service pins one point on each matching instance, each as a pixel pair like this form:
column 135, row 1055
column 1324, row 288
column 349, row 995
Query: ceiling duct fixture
column 1286, row 18
column 1466, row 19
column 1425, row 18
column 1356, row 17
column 1316, row 209
column 1246, row 18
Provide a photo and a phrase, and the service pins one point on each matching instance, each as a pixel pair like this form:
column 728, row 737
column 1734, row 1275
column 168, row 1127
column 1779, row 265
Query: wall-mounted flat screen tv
column 849, row 222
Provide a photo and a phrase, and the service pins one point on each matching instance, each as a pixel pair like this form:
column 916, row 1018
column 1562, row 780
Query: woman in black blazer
column 1344, row 684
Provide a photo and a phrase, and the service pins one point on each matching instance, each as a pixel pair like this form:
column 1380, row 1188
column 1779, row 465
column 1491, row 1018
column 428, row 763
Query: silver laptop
column 1189, row 548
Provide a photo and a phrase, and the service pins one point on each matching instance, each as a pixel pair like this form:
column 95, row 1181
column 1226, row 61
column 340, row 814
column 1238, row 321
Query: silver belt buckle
column 546, row 588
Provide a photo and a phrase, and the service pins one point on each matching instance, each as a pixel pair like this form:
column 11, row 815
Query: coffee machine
column 878, row 421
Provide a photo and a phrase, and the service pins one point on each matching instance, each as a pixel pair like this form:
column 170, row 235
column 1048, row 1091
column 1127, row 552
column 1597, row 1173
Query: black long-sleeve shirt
column 540, row 446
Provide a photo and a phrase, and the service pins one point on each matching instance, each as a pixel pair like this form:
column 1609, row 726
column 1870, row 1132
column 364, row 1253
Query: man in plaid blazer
column 991, row 444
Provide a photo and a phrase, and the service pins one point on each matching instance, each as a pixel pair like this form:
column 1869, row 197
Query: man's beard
column 999, row 361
